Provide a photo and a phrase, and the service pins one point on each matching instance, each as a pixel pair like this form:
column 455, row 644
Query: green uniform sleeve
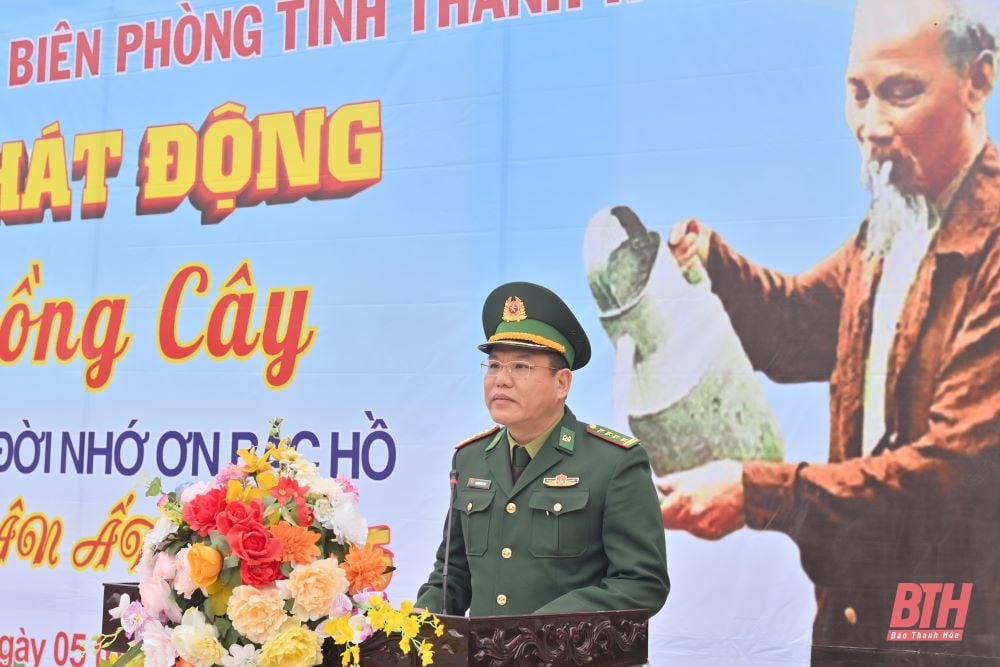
column 430, row 595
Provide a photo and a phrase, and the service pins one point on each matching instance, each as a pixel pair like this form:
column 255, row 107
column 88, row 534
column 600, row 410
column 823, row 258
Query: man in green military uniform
column 550, row 514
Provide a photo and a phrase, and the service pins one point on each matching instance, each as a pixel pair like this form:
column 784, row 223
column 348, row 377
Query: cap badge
column 513, row 310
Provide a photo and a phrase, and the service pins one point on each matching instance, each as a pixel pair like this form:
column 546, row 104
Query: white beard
column 891, row 210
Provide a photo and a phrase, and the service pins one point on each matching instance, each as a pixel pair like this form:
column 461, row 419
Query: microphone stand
column 453, row 479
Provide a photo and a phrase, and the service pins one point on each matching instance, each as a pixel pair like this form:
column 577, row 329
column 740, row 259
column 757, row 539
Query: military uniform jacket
column 580, row 531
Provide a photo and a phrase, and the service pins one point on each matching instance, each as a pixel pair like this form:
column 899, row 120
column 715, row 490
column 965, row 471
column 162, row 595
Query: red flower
column 254, row 544
column 304, row 515
column 239, row 513
column 201, row 512
column 288, row 489
column 260, row 574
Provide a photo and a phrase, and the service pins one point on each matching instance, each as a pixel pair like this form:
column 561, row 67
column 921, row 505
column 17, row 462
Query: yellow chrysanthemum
column 339, row 629
column 410, row 627
column 351, row 657
column 378, row 619
column 426, row 652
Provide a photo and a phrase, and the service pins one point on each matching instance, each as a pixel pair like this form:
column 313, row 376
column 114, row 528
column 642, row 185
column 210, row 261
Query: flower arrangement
column 259, row 568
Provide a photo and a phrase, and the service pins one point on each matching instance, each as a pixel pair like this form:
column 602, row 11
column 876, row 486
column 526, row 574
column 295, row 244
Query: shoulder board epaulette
column 614, row 437
column 478, row 436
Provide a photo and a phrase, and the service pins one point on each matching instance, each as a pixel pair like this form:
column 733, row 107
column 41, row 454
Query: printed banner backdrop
column 449, row 146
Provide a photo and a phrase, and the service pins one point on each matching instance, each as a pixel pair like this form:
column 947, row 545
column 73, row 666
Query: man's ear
column 564, row 378
column 982, row 76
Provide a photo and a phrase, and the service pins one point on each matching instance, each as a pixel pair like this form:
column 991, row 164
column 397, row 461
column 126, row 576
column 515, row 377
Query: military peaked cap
column 528, row 315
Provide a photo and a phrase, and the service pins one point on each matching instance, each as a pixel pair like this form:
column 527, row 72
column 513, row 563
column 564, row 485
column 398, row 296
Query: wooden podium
column 599, row 639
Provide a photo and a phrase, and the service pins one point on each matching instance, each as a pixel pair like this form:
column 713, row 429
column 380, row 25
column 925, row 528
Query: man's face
column 525, row 404
column 905, row 102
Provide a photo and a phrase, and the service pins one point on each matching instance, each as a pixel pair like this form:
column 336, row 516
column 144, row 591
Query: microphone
column 453, row 479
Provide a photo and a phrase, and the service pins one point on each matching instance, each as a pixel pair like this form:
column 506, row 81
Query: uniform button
column 557, row 507
column 850, row 615
column 501, row 599
column 511, row 508
column 469, row 507
column 506, row 552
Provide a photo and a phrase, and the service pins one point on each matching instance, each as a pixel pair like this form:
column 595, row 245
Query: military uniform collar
column 564, row 427
column 535, row 445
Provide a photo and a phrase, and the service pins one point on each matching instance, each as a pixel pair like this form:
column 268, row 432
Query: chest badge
column 560, row 480
column 475, row 483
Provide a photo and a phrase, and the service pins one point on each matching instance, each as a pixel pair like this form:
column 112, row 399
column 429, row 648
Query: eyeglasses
column 518, row 369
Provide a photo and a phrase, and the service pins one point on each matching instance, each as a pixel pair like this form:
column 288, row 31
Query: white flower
column 157, row 649
column 323, row 511
column 361, row 626
column 195, row 490
column 241, row 656
column 197, row 640
column 123, row 603
column 161, row 530
column 145, row 567
column 332, row 490
column 349, row 524
column 288, row 456
column 305, row 472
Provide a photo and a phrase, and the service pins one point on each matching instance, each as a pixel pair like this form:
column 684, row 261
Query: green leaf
column 155, row 488
column 218, row 542
column 231, row 576
column 233, row 637
column 174, row 547
column 133, row 652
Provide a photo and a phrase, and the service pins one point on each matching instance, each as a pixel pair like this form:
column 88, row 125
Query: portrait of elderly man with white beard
column 903, row 321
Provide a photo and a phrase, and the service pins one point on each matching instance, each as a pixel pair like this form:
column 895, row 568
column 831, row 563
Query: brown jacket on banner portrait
column 925, row 505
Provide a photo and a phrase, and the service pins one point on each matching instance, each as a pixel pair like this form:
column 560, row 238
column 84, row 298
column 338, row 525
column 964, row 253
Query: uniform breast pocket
column 474, row 507
column 559, row 526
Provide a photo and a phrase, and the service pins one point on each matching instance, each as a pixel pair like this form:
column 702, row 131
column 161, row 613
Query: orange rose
column 206, row 563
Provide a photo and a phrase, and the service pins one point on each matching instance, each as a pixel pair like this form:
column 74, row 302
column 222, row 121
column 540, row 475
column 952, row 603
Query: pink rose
column 230, row 471
column 183, row 582
column 164, row 567
column 155, row 596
